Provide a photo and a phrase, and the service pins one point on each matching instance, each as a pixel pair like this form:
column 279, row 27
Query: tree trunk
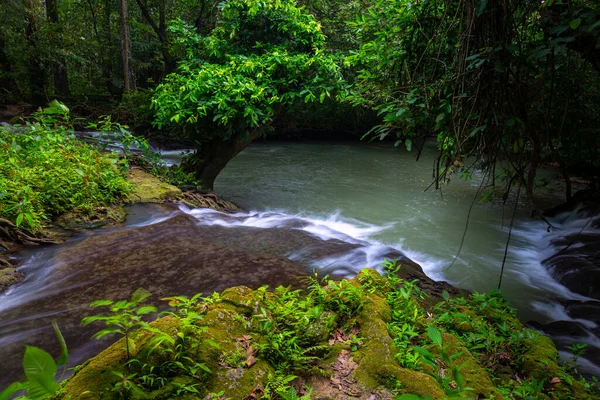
column 37, row 76
column 128, row 80
column 161, row 32
column 212, row 157
column 61, row 82
column 107, row 68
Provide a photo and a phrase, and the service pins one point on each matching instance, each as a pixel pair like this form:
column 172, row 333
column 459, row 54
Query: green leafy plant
column 125, row 316
column 234, row 82
column 40, row 370
column 181, row 349
column 454, row 384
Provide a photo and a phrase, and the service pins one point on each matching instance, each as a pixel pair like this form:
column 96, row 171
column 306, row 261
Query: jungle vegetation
column 510, row 80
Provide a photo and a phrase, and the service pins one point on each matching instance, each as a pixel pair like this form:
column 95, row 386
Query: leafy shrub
column 45, row 171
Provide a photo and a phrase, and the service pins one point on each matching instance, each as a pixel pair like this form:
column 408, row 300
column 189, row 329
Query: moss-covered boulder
column 332, row 340
column 149, row 189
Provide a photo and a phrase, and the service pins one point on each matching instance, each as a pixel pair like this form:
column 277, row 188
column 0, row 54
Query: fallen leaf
column 555, row 380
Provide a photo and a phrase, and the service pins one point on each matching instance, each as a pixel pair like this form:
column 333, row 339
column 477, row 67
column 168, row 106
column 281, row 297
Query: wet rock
column 576, row 264
column 561, row 329
column 587, row 310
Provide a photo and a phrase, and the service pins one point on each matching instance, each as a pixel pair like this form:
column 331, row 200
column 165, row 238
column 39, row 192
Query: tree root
column 10, row 232
column 207, row 200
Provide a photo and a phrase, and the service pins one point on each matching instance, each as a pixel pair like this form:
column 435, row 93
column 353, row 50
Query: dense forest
column 511, row 80
column 499, row 96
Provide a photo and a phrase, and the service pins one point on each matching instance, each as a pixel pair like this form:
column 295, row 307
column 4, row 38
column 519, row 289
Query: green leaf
column 482, row 7
column 63, row 359
column 435, row 335
column 79, row 172
column 446, row 295
column 101, row 303
column 40, row 369
column 19, row 220
column 575, row 23
column 140, row 295
column 12, row 389
column 145, row 310
column 408, row 144
column 29, row 220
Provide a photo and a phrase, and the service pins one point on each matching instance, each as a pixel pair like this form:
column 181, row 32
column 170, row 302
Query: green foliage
column 261, row 56
column 124, row 317
column 47, row 171
column 40, row 370
column 167, row 354
column 442, row 67
column 407, row 316
column 284, row 324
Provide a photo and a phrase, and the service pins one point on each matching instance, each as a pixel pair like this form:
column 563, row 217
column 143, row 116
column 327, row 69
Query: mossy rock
column 540, row 361
column 371, row 370
column 372, row 281
column 474, row 375
column 375, row 358
column 95, row 378
column 100, row 216
column 149, row 189
column 241, row 297
column 9, row 276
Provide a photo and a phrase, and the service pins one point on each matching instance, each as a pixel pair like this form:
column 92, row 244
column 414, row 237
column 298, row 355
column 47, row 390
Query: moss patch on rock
column 9, row 276
column 149, row 189
column 99, row 217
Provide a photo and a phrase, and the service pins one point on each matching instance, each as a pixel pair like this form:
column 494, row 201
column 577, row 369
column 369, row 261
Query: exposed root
column 10, row 232
column 207, row 200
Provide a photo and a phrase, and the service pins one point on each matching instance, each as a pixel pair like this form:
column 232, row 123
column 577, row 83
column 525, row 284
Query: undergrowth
column 45, row 170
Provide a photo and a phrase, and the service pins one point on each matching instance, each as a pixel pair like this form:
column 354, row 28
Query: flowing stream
column 336, row 208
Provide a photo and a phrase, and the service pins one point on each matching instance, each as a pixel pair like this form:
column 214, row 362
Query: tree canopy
column 260, row 57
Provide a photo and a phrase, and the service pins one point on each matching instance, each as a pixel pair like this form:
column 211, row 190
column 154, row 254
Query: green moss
column 149, row 189
column 372, row 281
column 241, row 297
column 541, row 360
column 9, row 276
column 474, row 375
column 100, row 216
column 375, row 358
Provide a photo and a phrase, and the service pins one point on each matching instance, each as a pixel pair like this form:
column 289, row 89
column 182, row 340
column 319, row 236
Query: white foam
column 369, row 253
